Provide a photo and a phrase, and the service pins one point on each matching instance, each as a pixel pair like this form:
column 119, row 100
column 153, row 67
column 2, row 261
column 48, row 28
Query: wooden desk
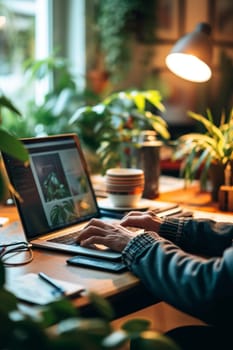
column 195, row 199
column 124, row 291
column 191, row 197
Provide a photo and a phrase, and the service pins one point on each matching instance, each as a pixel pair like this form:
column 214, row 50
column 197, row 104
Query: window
column 17, row 37
column 24, row 34
column 34, row 29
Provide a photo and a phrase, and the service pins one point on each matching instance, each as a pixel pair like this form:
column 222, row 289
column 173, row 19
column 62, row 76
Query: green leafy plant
column 200, row 150
column 60, row 326
column 9, row 144
column 50, row 115
column 117, row 121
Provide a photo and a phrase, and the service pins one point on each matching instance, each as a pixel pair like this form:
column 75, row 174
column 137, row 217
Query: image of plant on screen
column 63, row 213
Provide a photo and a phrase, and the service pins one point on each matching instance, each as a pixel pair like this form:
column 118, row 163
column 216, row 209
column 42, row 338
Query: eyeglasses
column 11, row 253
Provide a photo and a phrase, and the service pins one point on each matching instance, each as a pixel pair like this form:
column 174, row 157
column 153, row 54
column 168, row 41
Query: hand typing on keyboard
column 116, row 236
column 71, row 239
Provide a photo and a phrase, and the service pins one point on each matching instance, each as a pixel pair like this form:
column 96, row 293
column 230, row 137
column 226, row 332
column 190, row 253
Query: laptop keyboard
column 70, row 238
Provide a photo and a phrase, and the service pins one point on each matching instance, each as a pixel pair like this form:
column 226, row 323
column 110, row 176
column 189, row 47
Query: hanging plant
column 120, row 24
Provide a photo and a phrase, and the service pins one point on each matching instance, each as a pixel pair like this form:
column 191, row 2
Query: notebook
column 31, row 288
column 57, row 196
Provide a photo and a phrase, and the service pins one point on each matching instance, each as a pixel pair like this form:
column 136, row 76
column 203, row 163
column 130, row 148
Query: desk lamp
column 190, row 57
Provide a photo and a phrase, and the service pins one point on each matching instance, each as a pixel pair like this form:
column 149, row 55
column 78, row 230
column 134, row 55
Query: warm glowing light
column 188, row 67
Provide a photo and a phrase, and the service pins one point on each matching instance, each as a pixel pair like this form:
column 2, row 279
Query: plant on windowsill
column 112, row 127
column 10, row 145
column 207, row 153
column 59, row 326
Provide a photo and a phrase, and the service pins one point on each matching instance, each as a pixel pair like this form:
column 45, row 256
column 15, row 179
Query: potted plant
column 10, row 145
column 59, row 326
column 112, row 127
column 207, row 153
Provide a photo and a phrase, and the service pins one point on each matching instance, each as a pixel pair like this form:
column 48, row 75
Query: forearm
column 188, row 283
column 199, row 236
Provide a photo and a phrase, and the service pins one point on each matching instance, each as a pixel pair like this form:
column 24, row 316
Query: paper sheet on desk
column 143, row 204
column 32, row 289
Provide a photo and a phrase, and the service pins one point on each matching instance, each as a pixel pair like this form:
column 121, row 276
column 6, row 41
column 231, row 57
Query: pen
column 50, row 281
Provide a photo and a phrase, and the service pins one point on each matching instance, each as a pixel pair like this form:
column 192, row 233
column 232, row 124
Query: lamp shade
column 190, row 57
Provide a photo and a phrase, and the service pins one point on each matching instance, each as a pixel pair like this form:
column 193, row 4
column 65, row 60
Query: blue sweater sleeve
column 199, row 236
column 201, row 287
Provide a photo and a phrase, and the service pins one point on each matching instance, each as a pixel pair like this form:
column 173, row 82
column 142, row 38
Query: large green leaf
column 90, row 326
column 205, row 170
column 10, row 145
column 8, row 301
column 152, row 340
column 115, row 340
column 101, row 305
column 213, row 130
column 139, row 101
column 160, row 129
column 58, row 311
column 5, row 102
column 136, row 325
column 154, row 97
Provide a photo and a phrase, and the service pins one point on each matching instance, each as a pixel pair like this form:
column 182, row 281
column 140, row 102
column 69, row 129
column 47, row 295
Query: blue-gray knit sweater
column 190, row 267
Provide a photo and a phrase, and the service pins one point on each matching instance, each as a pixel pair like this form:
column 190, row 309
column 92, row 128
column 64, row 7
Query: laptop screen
column 55, row 189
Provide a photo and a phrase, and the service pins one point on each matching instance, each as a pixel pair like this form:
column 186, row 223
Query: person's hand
column 114, row 236
column 148, row 220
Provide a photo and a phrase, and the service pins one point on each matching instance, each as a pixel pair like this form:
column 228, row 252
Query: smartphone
column 97, row 263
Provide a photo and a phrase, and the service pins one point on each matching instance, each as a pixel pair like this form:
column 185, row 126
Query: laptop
column 57, row 198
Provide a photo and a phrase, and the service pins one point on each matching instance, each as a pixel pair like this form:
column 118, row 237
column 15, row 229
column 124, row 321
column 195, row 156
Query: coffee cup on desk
column 124, row 186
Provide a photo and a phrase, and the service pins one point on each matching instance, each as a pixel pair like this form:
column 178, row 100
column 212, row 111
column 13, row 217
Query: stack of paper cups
column 124, row 186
